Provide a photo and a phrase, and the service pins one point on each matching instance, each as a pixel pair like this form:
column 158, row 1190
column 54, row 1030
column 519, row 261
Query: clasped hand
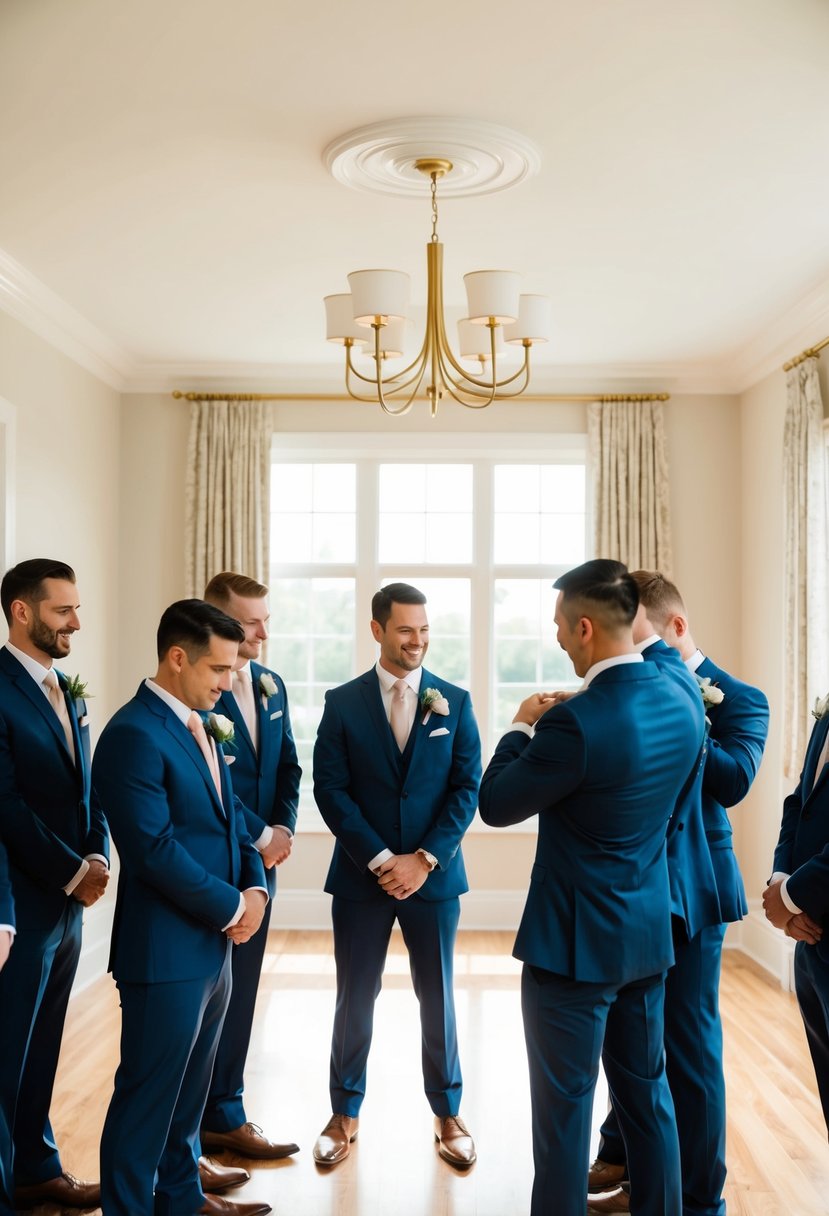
column 255, row 903
column 530, row 711
column 796, row 925
column 93, row 884
column 403, row 874
column 279, row 849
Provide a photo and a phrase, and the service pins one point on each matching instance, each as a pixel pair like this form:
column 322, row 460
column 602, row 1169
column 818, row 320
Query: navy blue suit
column 803, row 853
column 185, row 856
column 373, row 798
column 267, row 782
column 49, row 821
column 603, row 772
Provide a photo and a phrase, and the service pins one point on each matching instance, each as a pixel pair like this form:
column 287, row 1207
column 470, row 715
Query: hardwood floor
column 778, row 1153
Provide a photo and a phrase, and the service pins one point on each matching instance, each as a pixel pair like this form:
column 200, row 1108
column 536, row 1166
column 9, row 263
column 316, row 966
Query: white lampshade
column 492, row 293
column 339, row 320
column 379, row 293
column 392, row 340
column 475, row 340
column 534, row 321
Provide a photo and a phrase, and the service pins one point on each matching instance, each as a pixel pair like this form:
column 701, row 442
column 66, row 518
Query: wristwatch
column 429, row 858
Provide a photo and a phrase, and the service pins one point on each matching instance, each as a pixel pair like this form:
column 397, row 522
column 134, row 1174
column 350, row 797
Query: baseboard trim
column 309, row 909
column 764, row 944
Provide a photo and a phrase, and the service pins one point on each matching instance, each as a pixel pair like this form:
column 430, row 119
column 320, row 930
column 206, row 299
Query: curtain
column 804, row 479
column 631, row 510
column 227, row 495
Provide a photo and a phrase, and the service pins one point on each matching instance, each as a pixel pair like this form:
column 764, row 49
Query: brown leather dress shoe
column 65, row 1190
column 335, row 1140
column 214, row 1177
column 617, row 1201
column 455, row 1144
column 605, row 1176
column 248, row 1141
column 214, row 1205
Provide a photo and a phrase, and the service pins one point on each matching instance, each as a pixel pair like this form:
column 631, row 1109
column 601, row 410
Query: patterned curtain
column 804, row 473
column 227, row 504
column 631, row 509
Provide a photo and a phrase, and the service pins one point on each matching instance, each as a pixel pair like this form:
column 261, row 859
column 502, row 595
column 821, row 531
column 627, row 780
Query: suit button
column 680, row 827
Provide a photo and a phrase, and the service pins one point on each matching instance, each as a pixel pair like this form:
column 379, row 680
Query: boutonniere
column 77, row 688
column 821, row 707
column 267, row 686
column 432, row 701
column 221, row 728
column 711, row 694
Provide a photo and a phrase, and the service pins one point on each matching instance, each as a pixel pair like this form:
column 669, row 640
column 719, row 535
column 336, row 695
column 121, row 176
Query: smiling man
column 191, row 883
column 396, row 769
column 57, row 844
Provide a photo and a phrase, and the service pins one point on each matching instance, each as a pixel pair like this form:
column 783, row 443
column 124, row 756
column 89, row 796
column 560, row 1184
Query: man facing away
column 58, row 848
column 265, row 775
column 603, row 771
column 191, row 885
column 738, row 716
column 797, row 896
column 396, row 769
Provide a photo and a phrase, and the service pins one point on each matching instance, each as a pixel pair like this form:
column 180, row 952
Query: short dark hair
column 191, row 624
column 25, row 581
column 602, row 589
column 222, row 586
column 659, row 595
column 394, row 593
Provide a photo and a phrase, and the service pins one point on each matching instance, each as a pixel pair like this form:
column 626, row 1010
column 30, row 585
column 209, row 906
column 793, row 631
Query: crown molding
column 40, row 309
column 805, row 323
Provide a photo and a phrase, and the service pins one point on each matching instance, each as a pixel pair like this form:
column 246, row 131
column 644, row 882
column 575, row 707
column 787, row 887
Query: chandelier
column 373, row 316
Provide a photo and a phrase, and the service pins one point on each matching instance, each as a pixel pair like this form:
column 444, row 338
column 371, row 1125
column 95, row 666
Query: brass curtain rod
column 810, row 353
column 603, row 398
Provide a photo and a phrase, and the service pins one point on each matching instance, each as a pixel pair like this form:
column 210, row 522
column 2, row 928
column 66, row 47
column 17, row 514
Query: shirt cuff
column 97, row 857
column 784, row 895
column 79, row 874
column 240, row 912
column 8, row 929
column 284, row 828
column 264, row 840
column 524, row 727
column 382, row 856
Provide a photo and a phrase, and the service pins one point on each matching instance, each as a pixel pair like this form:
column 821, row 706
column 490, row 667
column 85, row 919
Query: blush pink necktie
column 58, row 702
column 196, row 728
column 243, row 695
column 399, row 718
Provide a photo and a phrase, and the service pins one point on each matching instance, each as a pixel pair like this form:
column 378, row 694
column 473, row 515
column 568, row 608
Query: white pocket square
column 441, row 730
column 84, row 721
column 230, row 759
column 277, row 714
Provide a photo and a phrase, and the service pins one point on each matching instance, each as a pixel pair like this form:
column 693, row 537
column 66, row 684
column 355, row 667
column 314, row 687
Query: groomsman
column 603, row 772
column 396, row 769
column 738, row 716
column 265, row 776
column 797, row 897
column 191, row 884
column 57, row 843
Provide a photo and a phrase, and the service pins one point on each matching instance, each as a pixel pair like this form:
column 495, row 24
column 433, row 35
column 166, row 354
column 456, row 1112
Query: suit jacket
column 372, row 798
column 694, row 896
column 803, row 845
column 6, row 900
column 739, row 726
column 603, row 772
column 267, row 783
column 51, row 819
column 185, row 853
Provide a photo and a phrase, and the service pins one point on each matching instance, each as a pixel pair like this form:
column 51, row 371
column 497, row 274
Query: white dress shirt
column 412, row 694
column 266, row 835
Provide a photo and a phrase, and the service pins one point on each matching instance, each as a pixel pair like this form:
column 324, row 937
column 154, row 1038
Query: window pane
column 291, row 487
column 425, row 513
column 402, row 538
column 290, row 537
column 539, row 514
column 313, row 513
column 334, row 487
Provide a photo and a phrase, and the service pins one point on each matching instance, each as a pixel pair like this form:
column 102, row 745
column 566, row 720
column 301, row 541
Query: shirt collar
column 181, row 710
column 616, row 661
column 388, row 681
column 694, row 661
column 640, row 646
column 36, row 670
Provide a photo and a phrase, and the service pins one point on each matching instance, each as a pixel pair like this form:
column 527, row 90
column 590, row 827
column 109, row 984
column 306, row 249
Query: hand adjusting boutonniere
column 77, row 688
column 267, row 686
column 221, row 728
column 821, row 707
column 433, row 701
column 711, row 694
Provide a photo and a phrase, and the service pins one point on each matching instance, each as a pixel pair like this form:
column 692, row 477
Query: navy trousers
column 150, row 1142
column 693, row 1051
column 225, row 1109
column 569, row 1026
column 34, row 991
column 361, row 937
column 811, row 982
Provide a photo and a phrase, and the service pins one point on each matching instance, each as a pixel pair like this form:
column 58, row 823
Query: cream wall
column 66, row 462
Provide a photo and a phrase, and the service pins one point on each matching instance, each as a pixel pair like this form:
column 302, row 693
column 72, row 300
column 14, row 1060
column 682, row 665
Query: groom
column 396, row 769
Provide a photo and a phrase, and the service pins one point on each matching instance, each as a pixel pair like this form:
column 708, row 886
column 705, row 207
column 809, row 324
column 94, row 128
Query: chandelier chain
column 434, row 178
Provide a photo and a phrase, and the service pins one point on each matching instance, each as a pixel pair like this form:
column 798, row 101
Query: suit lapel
column 815, row 780
column 36, row 697
column 229, row 706
column 372, row 697
column 178, row 731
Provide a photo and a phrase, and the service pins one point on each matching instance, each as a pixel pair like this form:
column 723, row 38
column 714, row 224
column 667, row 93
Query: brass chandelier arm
column 417, row 364
column 407, row 404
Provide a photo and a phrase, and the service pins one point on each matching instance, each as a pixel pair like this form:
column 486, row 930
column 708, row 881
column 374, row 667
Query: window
column 482, row 529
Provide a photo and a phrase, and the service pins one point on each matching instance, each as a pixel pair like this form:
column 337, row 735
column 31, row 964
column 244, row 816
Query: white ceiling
column 163, row 201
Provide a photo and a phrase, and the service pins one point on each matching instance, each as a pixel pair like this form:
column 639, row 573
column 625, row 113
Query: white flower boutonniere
column 711, row 694
column 221, row 728
column 821, row 707
column 77, row 688
column 433, row 701
column 268, row 687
